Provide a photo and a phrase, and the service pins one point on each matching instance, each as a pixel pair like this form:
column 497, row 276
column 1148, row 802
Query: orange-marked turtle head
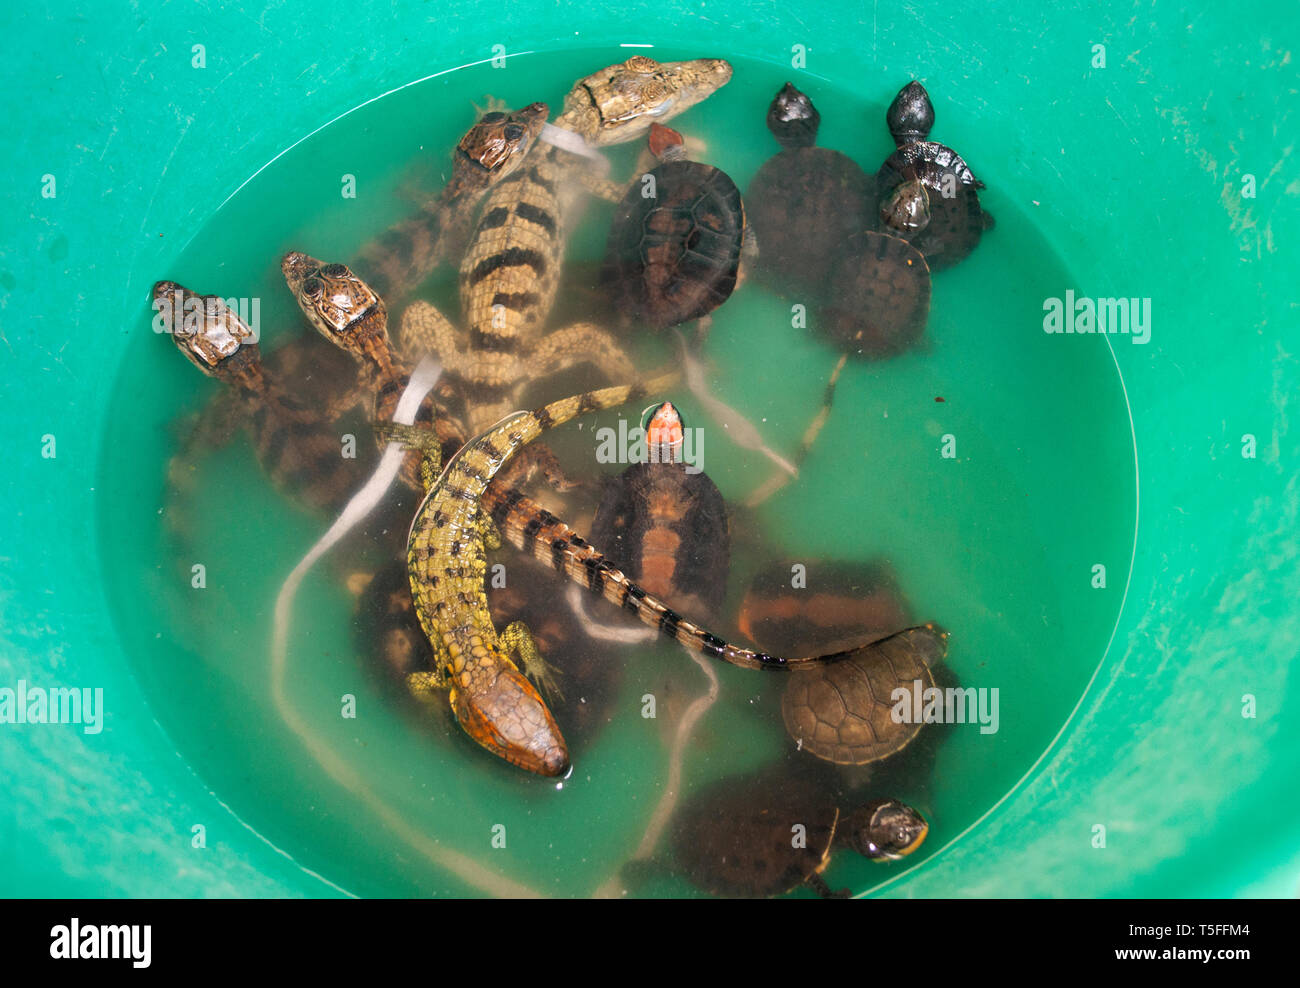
column 664, row 433
column 666, row 143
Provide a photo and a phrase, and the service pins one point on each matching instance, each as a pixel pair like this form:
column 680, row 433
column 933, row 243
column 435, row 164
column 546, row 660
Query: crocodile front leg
column 517, row 639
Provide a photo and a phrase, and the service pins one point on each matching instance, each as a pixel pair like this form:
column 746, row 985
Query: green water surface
column 997, row 544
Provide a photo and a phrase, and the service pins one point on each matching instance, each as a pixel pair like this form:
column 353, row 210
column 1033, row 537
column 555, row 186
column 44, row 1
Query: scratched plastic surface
column 394, row 803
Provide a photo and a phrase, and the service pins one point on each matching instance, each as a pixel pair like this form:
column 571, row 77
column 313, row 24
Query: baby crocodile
column 494, row 147
column 295, row 447
column 460, row 518
column 446, row 554
column 510, row 274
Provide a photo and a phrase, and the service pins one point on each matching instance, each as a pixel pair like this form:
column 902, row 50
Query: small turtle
column 762, row 836
column 664, row 523
column 842, row 712
column 806, row 201
column 841, row 602
column 674, row 247
column 925, row 190
column 879, row 298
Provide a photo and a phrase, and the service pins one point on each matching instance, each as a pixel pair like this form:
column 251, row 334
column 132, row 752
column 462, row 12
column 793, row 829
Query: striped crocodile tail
column 567, row 409
column 537, row 532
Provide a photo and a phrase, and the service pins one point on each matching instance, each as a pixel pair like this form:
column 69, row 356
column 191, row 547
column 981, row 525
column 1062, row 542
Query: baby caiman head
column 620, row 102
column 509, row 718
column 341, row 307
column 886, row 830
column 495, row 146
column 210, row 334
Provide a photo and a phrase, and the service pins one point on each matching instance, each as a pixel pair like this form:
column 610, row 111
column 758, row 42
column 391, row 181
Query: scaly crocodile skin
column 510, row 273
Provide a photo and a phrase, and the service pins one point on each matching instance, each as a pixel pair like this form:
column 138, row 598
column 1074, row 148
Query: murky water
column 997, row 544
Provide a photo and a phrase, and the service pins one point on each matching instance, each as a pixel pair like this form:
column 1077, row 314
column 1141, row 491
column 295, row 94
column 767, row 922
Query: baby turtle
column 926, row 192
column 839, row 602
column 879, row 297
column 674, row 248
column 762, row 836
column 664, row 523
column 806, row 201
column 842, row 712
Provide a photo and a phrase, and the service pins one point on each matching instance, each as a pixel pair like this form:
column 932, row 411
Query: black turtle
column 765, row 835
column 665, row 524
column 925, row 191
column 879, row 297
column 806, row 201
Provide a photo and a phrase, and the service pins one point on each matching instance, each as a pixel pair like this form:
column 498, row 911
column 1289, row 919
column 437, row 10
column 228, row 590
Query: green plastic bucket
column 1152, row 149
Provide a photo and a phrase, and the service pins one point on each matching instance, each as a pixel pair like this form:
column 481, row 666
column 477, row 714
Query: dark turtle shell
column 879, row 297
column 956, row 220
column 666, row 528
column 387, row 632
column 840, row 604
column 842, row 712
column 737, row 837
column 674, row 256
column 806, row 201
column 804, row 204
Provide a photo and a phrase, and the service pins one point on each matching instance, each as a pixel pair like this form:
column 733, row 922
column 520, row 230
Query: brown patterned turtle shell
column 674, row 256
column 842, row 712
column 841, row 603
column 879, row 297
column 666, row 528
column 734, row 838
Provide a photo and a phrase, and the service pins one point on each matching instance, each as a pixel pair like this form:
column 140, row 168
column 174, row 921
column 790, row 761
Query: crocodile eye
column 335, row 271
column 513, row 132
column 313, row 287
column 493, row 117
column 641, row 63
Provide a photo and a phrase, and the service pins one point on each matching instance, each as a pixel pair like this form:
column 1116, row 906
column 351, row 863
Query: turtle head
column 906, row 210
column 338, row 304
column 664, row 433
column 620, row 102
column 495, row 146
column 911, row 115
column 212, row 335
column 792, row 118
column 666, row 144
column 886, row 830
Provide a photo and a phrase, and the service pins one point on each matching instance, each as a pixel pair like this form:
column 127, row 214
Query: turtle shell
column 879, row 297
column 842, row 711
column 737, row 837
column 956, row 220
column 674, row 256
column 666, row 528
column 804, row 204
column 387, row 631
column 844, row 603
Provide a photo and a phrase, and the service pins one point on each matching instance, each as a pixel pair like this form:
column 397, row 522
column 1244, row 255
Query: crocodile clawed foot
column 518, row 639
